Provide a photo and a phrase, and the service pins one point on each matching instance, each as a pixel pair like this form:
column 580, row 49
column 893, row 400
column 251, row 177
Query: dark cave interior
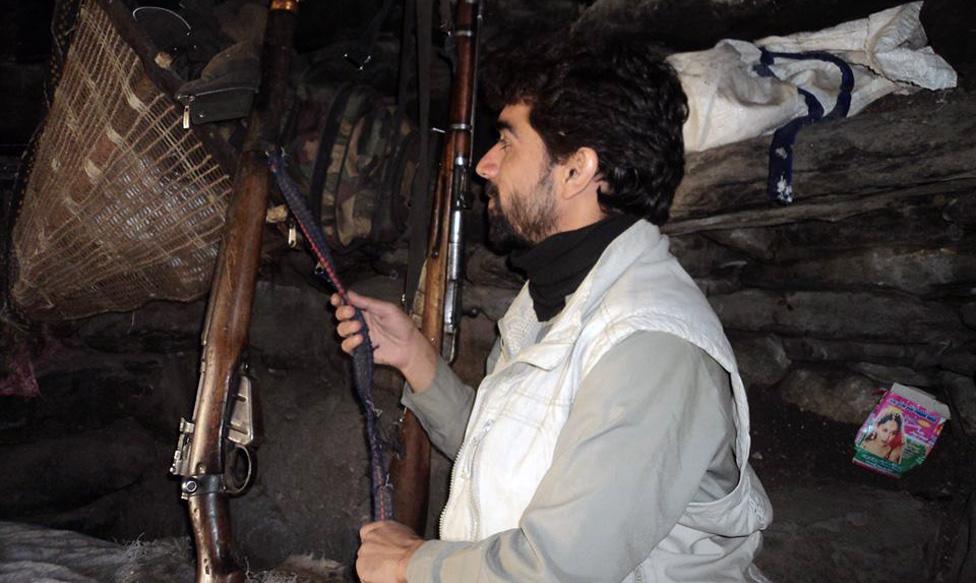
column 867, row 279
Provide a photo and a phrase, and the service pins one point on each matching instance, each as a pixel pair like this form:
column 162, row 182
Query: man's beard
column 530, row 219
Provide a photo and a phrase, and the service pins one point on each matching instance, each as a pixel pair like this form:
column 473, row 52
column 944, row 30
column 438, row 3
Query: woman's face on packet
column 887, row 430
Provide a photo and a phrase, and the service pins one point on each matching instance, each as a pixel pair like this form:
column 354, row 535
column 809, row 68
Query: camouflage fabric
column 366, row 169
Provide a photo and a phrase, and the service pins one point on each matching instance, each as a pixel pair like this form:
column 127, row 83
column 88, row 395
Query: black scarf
column 557, row 265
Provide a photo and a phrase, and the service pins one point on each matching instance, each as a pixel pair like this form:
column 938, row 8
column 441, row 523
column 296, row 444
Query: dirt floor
column 835, row 521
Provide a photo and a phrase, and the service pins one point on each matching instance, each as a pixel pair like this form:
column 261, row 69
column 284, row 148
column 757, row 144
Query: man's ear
column 580, row 171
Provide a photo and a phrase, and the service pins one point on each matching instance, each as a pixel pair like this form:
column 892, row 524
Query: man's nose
column 488, row 165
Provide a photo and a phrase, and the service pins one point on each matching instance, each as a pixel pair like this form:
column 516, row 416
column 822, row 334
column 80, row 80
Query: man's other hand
column 396, row 340
column 385, row 551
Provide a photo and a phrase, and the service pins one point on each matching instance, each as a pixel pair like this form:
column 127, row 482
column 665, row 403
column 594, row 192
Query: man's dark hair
column 619, row 98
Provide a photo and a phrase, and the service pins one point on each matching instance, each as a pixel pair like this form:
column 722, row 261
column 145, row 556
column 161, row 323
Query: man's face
column 522, row 203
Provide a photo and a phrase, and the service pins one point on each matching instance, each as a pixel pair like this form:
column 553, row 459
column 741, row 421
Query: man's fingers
column 350, row 344
column 369, row 304
column 345, row 312
column 358, row 300
column 368, row 528
column 347, row 327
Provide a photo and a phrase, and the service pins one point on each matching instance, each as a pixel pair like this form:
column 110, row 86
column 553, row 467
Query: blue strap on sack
column 779, row 185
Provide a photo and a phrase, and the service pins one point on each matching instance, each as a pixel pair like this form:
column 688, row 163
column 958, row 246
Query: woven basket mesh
column 122, row 204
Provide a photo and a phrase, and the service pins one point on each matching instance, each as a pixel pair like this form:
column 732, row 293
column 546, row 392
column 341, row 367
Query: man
column 609, row 441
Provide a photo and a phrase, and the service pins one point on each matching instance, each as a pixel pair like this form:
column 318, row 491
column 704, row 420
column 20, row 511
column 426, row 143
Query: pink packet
column 900, row 432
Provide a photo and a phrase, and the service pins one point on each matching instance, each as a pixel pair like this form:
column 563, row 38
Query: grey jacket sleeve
column 443, row 408
column 650, row 425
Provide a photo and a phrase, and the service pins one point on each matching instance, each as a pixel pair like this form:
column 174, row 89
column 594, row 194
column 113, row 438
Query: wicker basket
column 121, row 205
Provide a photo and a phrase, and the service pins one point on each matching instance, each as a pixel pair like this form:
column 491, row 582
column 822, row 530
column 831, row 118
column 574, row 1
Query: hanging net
column 121, row 204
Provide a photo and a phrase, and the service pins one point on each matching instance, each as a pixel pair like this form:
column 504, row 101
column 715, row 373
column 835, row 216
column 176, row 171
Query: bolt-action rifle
column 223, row 420
column 442, row 272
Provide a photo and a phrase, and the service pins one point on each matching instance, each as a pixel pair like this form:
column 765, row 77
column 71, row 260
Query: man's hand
column 385, row 551
column 396, row 340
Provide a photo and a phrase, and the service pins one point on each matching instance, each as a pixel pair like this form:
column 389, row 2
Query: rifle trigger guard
column 229, row 485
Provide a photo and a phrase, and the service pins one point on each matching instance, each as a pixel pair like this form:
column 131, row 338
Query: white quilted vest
column 524, row 401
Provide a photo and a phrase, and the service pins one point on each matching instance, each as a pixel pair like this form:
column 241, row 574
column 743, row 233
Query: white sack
column 729, row 101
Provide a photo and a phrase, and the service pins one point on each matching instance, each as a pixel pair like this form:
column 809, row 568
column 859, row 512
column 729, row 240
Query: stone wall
column 868, row 278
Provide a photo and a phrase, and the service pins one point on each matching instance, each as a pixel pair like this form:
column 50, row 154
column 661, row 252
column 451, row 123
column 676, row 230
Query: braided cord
column 382, row 490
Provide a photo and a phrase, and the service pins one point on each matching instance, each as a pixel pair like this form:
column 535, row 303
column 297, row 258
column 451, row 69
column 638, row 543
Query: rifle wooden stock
column 229, row 311
column 411, row 471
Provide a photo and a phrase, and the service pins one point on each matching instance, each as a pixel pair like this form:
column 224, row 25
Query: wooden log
column 903, row 352
column 922, row 272
column 839, row 315
column 926, row 221
column 829, row 207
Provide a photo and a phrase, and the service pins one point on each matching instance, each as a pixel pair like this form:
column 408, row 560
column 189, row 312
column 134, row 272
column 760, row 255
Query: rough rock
column 156, row 327
column 846, row 532
column 961, row 361
column 477, row 337
column 916, row 271
column 702, row 257
column 698, row 24
column 969, row 314
column 292, row 324
column 962, row 397
column 83, row 389
column 22, row 85
column 837, row 315
column 311, row 493
column 487, row 268
column 922, row 223
column 711, row 286
column 71, row 471
column 386, row 288
column 493, row 302
column 819, row 350
column 961, row 210
column 149, row 509
column 886, row 374
column 834, row 393
column 761, row 358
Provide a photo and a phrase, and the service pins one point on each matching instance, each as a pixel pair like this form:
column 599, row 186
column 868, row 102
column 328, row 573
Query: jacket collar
column 519, row 327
